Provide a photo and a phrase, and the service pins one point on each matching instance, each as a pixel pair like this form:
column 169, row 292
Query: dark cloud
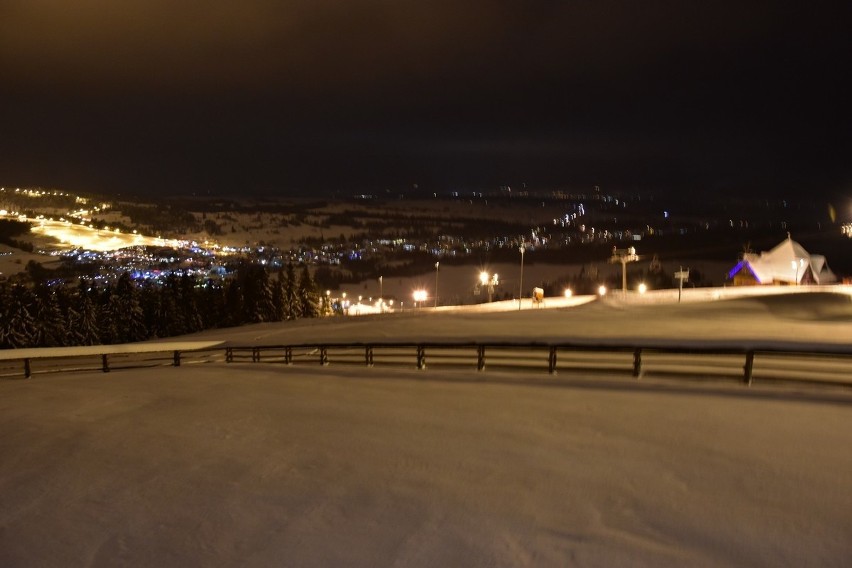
column 275, row 96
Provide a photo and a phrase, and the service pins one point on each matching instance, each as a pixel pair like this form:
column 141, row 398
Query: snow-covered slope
column 267, row 465
column 806, row 319
column 258, row 465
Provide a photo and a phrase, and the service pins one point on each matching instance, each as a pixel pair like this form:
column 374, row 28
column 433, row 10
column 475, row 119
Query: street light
column 419, row 297
column 381, row 288
column 489, row 281
column 437, row 265
column 521, row 249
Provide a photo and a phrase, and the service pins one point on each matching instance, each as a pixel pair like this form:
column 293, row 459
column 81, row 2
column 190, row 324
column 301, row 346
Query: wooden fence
column 822, row 364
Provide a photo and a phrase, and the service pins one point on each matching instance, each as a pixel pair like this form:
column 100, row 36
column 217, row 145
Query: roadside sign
column 681, row 275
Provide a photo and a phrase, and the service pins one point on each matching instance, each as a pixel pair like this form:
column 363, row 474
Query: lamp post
column 381, row 289
column 521, row 249
column 437, row 266
column 489, row 281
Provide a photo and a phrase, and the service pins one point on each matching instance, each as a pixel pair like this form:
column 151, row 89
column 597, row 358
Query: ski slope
column 267, row 465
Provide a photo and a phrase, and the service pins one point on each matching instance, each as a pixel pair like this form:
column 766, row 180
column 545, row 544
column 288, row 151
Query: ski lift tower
column 624, row 256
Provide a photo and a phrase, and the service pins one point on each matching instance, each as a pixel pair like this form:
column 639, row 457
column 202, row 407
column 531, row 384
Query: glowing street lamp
column 568, row 292
column 419, row 297
column 489, row 281
column 643, row 288
column 602, row 290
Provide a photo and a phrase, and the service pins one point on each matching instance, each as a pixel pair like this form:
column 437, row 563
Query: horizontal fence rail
column 106, row 357
column 824, row 364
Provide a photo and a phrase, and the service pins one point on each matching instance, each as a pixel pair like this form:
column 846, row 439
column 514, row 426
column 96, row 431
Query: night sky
column 293, row 96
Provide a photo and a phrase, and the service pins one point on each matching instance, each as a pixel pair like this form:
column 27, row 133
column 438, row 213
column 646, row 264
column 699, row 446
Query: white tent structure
column 787, row 263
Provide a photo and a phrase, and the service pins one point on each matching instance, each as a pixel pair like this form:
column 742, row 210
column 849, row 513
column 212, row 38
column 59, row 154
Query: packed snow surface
column 269, row 465
column 715, row 317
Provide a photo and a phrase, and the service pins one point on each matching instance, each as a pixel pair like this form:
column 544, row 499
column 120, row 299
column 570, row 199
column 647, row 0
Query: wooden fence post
column 177, row 358
column 105, row 363
column 255, row 355
column 480, row 358
column 551, row 361
column 368, row 355
column 323, row 356
column 637, row 362
column 749, row 367
column 229, row 354
column 421, row 357
column 27, row 370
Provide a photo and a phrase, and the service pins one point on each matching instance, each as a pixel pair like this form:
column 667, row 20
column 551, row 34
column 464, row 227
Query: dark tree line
column 59, row 315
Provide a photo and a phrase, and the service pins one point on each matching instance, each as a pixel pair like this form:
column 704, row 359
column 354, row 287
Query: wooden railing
column 827, row 364
column 821, row 364
column 101, row 357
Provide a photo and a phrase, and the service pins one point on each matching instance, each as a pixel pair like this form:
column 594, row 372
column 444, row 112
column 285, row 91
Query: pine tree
column 17, row 326
column 278, row 310
column 170, row 316
column 256, row 293
column 264, row 310
column 189, row 304
column 149, row 299
column 211, row 304
column 309, row 301
column 49, row 322
column 88, row 318
column 110, row 316
column 130, row 317
column 68, row 304
column 233, row 312
column 291, row 307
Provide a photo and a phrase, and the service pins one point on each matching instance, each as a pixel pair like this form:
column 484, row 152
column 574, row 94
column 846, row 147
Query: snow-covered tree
column 17, row 326
column 233, row 312
column 49, row 322
column 278, row 309
column 309, row 301
column 87, row 323
column 291, row 304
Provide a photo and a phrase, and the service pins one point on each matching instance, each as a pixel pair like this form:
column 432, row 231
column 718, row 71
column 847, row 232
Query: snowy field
column 269, row 465
column 771, row 316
